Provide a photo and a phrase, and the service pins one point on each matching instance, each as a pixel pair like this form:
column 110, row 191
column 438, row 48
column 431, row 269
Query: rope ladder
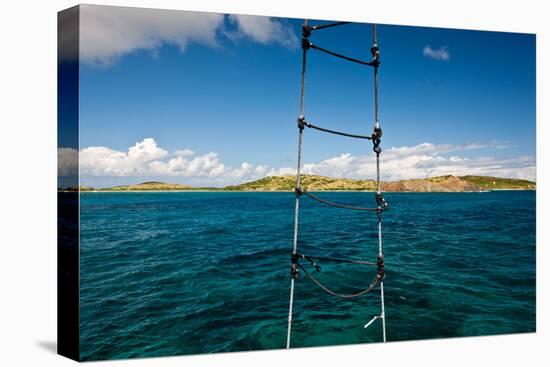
column 381, row 205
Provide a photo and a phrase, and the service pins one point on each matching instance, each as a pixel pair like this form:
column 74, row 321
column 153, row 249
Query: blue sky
column 208, row 99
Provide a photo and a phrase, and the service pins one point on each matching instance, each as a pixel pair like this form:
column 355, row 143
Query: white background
column 28, row 182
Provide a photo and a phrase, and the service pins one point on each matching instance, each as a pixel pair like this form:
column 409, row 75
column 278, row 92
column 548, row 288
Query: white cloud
column 147, row 159
column 264, row 30
column 442, row 53
column 109, row 32
column 146, row 151
column 281, row 171
column 102, row 161
column 425, row 160
column 67, row 38
column 184, row 152
column 67, row 162
column 205, row 166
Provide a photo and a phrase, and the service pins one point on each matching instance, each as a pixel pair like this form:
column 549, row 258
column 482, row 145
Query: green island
column 446, row 183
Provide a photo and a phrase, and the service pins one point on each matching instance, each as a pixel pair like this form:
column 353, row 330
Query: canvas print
column 235, row 182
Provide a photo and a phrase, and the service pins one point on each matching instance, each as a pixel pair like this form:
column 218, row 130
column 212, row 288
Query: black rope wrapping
column 303, row 123
column 307, row 44
column 372, row 285
column 338, row 205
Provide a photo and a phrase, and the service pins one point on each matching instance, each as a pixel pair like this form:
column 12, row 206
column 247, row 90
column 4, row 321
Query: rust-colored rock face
column 435, row 184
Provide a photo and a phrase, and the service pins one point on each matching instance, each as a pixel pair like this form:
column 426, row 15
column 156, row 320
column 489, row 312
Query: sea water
column 169, row 273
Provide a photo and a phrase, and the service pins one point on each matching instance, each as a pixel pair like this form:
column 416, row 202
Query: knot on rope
column 376, row 146
column 380, row 265
column 380, row 201
column 305, row 43
column 301, row 122
column 375, row 55
column 298, row 191
column 308, row 258
column 306, row 31
column 294, row 265
column 377, row 133
column 376, row 139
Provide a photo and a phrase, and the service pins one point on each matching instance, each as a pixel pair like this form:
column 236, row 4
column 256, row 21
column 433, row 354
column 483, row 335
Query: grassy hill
column 433, row 184
column 321, row 183
column 151, row 186
column 311, row 182
column 497, row 183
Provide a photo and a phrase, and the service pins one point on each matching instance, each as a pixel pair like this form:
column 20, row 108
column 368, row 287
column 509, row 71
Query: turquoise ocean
column 170, row 273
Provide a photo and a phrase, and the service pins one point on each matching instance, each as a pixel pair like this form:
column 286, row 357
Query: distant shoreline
column 289, row 191
column 316, row 183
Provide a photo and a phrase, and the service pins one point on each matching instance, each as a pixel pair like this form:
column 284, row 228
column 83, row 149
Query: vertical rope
column 378, row 173
column 380, row 252
column 298, row 183
column 375, row 44
column 381, row 255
